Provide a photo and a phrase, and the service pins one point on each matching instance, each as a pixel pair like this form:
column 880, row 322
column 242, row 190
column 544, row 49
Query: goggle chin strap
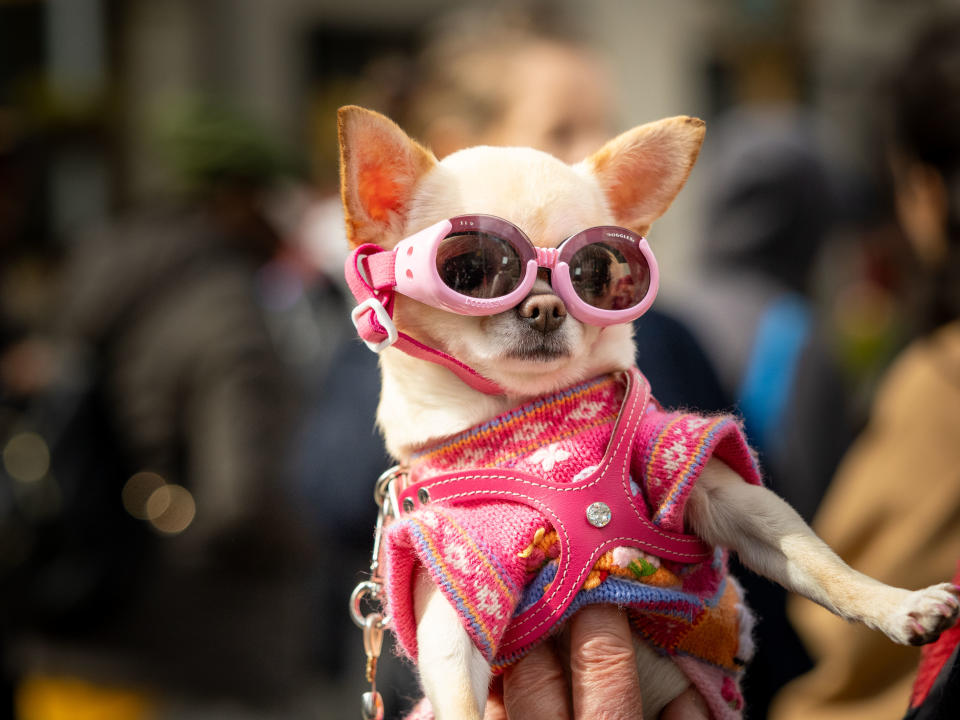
column 373, row 315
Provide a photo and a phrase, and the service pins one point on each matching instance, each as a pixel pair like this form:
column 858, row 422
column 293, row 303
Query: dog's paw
column 924, row 614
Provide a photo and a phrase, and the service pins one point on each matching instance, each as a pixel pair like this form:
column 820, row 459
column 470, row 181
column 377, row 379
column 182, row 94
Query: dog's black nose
column 544, row 312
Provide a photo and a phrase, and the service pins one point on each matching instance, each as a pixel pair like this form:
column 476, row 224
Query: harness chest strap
column 582, row 541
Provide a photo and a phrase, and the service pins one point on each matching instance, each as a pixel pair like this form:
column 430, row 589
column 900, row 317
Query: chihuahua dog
column 506, row 282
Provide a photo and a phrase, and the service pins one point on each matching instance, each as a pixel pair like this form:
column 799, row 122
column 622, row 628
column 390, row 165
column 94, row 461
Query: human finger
column 536, row 686
column 604, row 679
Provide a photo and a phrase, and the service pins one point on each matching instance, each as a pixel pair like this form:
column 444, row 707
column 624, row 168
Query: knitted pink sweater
column 492, row 559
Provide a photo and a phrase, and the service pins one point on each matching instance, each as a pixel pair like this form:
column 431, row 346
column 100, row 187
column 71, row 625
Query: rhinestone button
column 598, row 514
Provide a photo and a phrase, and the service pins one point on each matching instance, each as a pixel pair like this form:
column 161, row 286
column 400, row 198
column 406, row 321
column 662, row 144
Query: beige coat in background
column 892, row 512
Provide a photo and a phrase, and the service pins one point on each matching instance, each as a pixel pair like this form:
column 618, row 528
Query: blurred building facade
column 288, row 62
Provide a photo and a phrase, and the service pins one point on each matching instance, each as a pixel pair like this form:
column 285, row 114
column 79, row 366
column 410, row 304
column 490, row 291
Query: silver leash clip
column 374, row 623
column 372, row 701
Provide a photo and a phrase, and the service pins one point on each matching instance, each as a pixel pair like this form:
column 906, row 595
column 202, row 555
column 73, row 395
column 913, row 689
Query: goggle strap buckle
column 383, row 318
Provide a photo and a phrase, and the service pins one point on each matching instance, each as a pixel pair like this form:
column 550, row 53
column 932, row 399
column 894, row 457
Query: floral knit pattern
column 493, row 559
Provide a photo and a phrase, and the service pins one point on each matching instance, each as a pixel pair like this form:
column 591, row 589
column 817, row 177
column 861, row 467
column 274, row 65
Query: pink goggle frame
column 604, row 275
column 484, row 265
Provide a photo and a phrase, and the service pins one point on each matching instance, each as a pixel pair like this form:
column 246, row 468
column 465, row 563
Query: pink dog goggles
column 484, row 265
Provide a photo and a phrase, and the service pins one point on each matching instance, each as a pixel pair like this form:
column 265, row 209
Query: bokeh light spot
column 171, row 509
column 137, row 491
column 26, row 457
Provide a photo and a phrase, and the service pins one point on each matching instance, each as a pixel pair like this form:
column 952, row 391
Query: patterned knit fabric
column 492, row 559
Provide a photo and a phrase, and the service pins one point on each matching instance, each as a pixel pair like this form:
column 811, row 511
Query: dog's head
column 393, row 187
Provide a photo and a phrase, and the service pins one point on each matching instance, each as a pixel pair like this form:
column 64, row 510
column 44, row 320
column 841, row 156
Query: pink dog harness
column 590, row 517
column 517, row 538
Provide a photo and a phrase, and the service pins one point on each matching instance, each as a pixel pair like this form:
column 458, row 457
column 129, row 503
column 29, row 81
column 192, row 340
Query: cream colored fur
column 391, row 188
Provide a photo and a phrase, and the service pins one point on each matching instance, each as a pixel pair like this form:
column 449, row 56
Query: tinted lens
column 478, row 264
column 610, row 275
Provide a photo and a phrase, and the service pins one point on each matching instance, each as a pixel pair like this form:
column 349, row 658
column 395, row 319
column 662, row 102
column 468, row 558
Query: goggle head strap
column 369, row 271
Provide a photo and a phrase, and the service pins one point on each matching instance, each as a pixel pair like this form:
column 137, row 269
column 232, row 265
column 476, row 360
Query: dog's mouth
column 544, row 348
column 515, row 339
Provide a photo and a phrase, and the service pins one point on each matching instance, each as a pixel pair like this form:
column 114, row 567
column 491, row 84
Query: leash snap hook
column 373, row 624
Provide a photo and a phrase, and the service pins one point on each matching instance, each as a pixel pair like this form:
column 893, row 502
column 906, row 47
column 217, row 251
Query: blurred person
column 11, row 212
column 519, row 78
column 206, row 612
column 769, row 211
column 29, row 263
column 520, row 86
column 893, row 508
column 485, row 77
column 488, row 78
column 26, row 259
column 20, row 366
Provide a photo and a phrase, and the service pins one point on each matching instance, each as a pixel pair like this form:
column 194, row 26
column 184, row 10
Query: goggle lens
column 610, row 275
column 479, row 265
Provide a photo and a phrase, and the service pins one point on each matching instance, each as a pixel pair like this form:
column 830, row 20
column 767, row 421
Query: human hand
column 603, row 680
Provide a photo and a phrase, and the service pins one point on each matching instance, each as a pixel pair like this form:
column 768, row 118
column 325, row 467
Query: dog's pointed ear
column 379, row 168
column 642, row 170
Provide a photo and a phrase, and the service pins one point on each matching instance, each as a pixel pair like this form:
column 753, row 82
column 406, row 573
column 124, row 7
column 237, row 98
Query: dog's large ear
column 379, row 168
column 642, row 170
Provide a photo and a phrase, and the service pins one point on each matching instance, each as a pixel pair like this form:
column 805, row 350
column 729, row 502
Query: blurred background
column 172, row 314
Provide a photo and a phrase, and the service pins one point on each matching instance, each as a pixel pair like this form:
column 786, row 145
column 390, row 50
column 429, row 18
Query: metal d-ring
column 367, row 587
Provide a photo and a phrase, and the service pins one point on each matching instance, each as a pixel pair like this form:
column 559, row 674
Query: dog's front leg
column 772, row 539
column 454, row 674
